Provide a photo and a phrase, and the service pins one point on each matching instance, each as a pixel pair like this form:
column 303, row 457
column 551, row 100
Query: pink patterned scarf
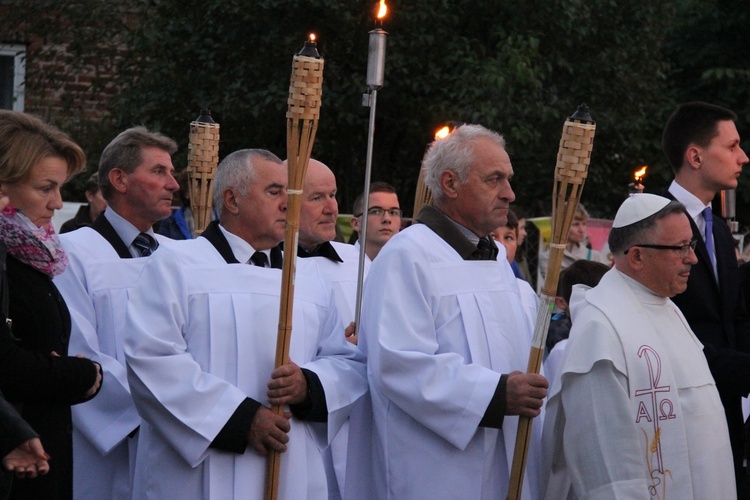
column 38, row 247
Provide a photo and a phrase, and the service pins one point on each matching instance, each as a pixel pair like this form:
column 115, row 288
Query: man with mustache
column 702, row 146
column 136, row 178
column 447, row 336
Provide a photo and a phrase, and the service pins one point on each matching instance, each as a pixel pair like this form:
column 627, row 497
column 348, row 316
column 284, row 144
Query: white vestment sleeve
column 186, row 404
column 600, row 440
column 341, row 368
column 552, row 363
column 108, row 418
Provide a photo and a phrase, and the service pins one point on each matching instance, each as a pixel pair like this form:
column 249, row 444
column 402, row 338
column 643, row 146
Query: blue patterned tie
column 145, row 244
column 709, row 217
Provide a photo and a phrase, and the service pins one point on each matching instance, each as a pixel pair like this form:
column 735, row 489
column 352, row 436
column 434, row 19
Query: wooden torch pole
column 573, row 158
column 302, row 115
column 203, row 158
column 422, row 196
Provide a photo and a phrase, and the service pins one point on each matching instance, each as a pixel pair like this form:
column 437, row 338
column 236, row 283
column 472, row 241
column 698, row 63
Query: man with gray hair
column 200, row 347
column 635, row 412
column 136, row 180
column 447, row 337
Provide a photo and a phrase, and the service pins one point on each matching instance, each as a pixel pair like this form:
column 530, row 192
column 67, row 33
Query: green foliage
column 517, row 67
column 710, row 61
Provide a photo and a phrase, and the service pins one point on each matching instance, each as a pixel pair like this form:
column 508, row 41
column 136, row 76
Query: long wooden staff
column 573, row 158
column 422, row 196
column 203, row 158
column 302, row 115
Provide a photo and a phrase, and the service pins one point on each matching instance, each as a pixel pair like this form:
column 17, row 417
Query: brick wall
column 71, row 58
column 71, row 67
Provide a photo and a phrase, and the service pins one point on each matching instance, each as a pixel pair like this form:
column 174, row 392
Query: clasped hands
column 268, row 430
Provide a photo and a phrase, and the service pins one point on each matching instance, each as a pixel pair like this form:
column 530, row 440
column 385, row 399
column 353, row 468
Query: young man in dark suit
column 702, row 145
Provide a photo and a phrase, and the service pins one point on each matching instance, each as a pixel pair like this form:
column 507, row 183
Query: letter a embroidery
column 653, row 361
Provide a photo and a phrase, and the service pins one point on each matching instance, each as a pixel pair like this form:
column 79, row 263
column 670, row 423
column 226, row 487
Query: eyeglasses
column 682, row 250
column 378, row 212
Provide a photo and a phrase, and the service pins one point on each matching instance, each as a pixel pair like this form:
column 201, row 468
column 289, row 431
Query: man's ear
column 635, row 258
column 118, row 179
column 229, row 197
column 693, row 157
column 354, row 222
column 449, row 182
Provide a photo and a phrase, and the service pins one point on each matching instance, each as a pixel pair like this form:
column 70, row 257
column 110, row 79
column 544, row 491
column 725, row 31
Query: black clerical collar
column 444, row 227
column 214, row 235
column 102, row 226
column 323, row 250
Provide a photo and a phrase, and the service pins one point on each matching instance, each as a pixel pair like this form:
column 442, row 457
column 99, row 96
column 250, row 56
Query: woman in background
column 35, row 372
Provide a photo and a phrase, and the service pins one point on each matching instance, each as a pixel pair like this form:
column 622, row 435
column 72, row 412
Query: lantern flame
column 639, row 174
column 382, row 10
column 442, row 133
column 312, row 37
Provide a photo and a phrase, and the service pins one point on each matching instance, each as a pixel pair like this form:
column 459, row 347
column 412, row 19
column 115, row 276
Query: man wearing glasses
column 384, row 218
column 702, row 146
column 635, row 412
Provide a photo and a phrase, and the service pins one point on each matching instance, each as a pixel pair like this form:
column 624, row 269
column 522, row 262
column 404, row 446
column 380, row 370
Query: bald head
column 318, row 172
column 319, row 210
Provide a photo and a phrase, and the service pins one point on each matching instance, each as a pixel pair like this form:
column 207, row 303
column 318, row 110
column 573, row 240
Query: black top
column 80, row 220
column 717, row 315
column 44, row 385
column 14, row 431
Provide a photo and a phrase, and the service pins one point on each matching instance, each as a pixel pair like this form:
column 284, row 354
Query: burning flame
column 382, row 10
column 442, row 133
column 639, row 174
column 312, row 37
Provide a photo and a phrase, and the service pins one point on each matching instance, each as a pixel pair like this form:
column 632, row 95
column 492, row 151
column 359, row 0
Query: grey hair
column 622, row 238
column 237, row 171
column 125, row 153
column 455, row 152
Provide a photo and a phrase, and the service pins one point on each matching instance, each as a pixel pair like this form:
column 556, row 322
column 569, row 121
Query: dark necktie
column 486, row 250
column 709, row 218
column 259, row 259
column 145, row 244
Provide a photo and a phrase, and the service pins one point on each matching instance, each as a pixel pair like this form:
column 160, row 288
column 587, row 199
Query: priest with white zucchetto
column 634, row 412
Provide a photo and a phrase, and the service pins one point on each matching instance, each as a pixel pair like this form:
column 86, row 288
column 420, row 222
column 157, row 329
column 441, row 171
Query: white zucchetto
column 637, row 207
